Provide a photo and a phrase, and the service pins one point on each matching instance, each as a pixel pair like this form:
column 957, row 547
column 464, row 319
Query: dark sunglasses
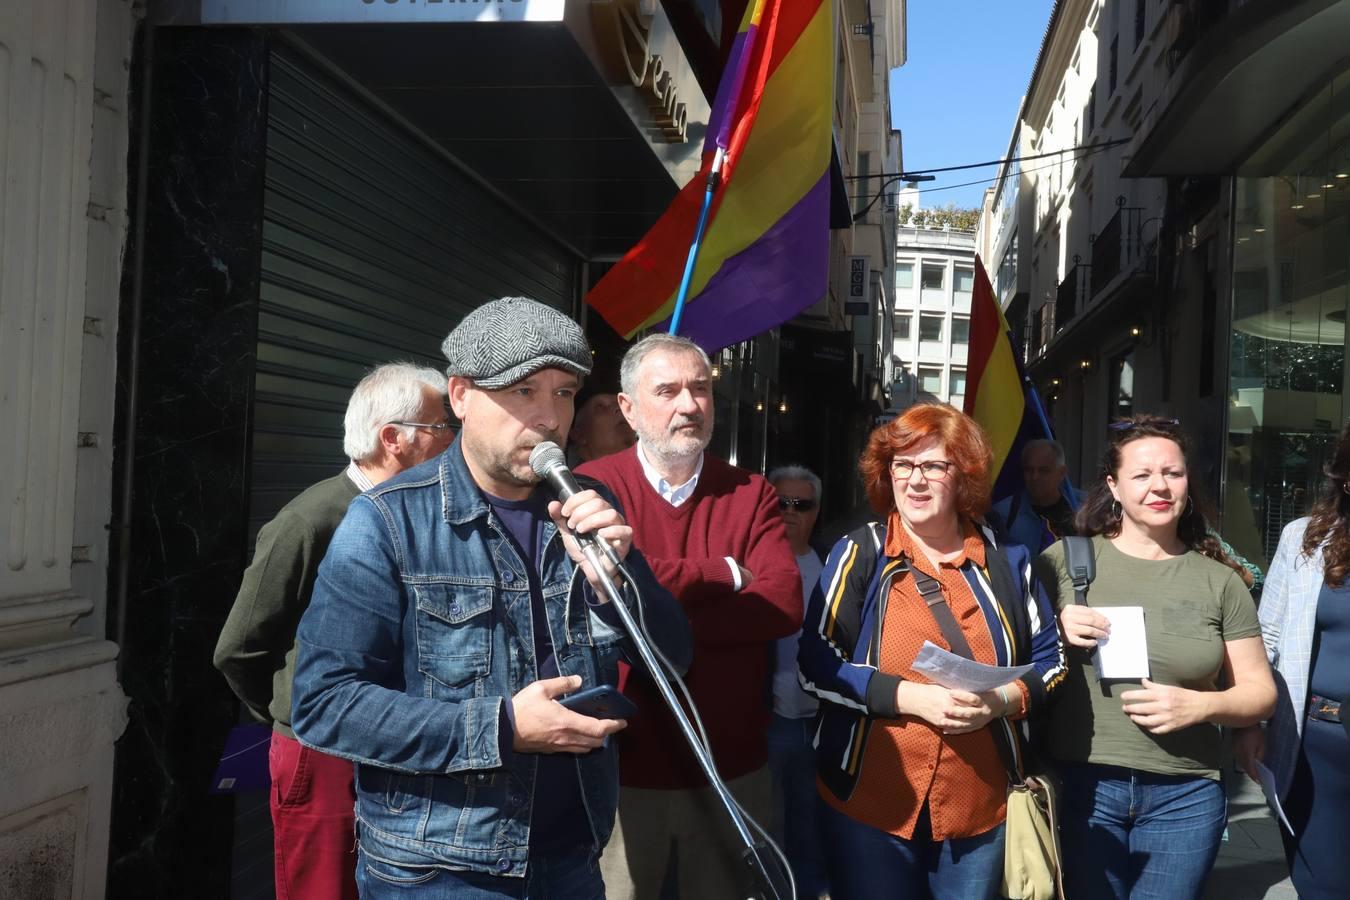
column 801, row 504
column 1126, row 426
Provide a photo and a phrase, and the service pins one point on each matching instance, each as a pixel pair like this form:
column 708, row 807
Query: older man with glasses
column 792, row 759
column 395, row 420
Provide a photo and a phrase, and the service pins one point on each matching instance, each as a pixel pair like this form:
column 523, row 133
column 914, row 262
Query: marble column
column 194, row 362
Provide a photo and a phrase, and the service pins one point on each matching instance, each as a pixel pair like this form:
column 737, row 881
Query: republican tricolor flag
column 999, row 395
column 765, row 255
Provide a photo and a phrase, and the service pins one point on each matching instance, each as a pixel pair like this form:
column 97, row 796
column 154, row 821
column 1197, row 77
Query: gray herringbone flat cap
column 509, row 339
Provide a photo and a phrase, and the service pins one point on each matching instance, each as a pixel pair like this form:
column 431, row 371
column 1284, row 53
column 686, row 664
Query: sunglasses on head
column 801, row 504
column 1156, row 423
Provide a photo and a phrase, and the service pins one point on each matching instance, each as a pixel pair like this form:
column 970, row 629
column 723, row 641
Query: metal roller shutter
column 373, row 247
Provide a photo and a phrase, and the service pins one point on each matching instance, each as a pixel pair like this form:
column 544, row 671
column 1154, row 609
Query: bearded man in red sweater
column 714, row 538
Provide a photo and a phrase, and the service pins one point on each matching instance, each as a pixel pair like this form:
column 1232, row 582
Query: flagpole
column 714, row 177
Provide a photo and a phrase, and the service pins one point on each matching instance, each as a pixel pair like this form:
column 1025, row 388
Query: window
column 930, row 328
column 1139, row 22
column 964, row 280
column 1122, row 386
column 1112, row 65
column 960, row 330
column 958, row 382
column 864, row 188
column 902, row 326
column 930, row 379
column 904, row 276
column 933, row 276
column 1091, row 110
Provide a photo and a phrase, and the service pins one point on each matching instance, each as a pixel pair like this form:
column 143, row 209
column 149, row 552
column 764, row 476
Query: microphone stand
column 764, row 885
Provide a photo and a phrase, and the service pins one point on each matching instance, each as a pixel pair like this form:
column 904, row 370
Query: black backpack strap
column 1081, row 563
column 931, row 592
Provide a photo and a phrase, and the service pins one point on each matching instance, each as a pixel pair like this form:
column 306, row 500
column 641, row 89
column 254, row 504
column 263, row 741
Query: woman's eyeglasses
column 800, row 504
column 933, row 469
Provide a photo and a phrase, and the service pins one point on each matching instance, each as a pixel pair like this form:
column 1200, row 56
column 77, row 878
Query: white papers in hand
column 1125, row 653
column 951, row 671
column 1267, row 779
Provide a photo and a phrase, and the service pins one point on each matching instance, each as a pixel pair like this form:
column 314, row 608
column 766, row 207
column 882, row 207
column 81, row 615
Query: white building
column 934, row 277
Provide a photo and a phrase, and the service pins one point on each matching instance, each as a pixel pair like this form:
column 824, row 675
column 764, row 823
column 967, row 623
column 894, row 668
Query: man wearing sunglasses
column 792, row 759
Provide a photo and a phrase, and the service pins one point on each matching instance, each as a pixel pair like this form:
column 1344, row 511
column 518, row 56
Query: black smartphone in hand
column 600, row 702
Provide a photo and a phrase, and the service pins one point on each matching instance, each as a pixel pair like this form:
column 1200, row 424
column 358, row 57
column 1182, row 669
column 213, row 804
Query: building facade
column 64, row 92
column 934, row 278
column 836, row 367
column 1182, row 249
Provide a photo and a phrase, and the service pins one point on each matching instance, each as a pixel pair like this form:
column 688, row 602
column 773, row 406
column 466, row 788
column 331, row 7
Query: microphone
column 549, row 463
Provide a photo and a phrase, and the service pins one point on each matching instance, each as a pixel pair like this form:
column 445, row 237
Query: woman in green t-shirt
column 1143, row 810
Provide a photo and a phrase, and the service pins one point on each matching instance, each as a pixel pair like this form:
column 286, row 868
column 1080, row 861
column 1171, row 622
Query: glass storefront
column 1287, row 372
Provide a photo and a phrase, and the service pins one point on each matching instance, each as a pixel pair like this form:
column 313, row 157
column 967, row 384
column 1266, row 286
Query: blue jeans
column 573, row 876
column 868, row 864
column 792, row 760
column 1126, row 833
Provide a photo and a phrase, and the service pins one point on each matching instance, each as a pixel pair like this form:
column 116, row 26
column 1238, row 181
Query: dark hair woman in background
column 1305, row 620
column 911, row 776
column 1142, row 810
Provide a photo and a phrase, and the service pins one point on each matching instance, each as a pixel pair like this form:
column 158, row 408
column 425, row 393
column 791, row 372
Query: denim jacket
column 418, row 634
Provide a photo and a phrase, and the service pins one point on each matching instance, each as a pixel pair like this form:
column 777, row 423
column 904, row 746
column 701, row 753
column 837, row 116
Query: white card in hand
column 1125, row 653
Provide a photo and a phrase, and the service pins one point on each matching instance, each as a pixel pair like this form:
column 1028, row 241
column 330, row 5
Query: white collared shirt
column 359, row 477
column 675, row 495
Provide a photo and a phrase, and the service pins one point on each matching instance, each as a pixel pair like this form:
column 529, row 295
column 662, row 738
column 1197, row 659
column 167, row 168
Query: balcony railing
column 1072, row 294
column 1188, row 21
column 1117, row 247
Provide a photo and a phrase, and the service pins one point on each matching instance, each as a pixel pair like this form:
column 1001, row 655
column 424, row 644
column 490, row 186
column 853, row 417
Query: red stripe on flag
column 986, row 323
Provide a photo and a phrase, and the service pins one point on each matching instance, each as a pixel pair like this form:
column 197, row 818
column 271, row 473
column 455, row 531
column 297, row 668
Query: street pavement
column 1251, row 862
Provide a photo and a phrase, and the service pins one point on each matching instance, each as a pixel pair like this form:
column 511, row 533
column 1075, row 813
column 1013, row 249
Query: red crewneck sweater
column 731, row 513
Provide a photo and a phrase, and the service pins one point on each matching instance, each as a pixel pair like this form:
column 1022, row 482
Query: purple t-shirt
column 559, row 820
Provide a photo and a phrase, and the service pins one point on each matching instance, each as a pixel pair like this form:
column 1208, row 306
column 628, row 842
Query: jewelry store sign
column 859, row 280
column 298, row 12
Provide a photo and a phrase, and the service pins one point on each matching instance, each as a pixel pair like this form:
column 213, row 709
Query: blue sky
column 956, row 96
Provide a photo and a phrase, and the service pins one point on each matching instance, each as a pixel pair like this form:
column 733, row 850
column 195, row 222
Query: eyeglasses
column 933, row 469
column 800, row 504
column 436, row 427
column 1154, row 423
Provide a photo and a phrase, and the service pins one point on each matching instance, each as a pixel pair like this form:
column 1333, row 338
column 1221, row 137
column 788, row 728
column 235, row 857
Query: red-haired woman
column 1142, row 810
column 1305, row 620
column 911, row 774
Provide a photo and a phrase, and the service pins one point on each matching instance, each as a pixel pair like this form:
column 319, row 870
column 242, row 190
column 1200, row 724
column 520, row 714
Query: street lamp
column 881, row 192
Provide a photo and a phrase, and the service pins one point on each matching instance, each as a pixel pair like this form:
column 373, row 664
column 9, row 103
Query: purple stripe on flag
column 722, row 117
column 779, row 275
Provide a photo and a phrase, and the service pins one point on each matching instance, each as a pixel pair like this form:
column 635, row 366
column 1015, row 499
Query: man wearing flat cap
column 452, row 611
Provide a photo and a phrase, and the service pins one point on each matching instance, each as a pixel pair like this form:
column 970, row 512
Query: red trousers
column 314, row 838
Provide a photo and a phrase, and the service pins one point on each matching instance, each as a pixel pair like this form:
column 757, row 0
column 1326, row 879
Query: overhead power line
column 1085, row 148
column 1080, row 152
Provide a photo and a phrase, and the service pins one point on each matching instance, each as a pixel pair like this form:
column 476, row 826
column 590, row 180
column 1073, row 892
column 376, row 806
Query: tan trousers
column 651, row 822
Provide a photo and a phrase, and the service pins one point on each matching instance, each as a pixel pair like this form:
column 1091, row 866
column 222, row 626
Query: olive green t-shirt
column 1192, row 605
